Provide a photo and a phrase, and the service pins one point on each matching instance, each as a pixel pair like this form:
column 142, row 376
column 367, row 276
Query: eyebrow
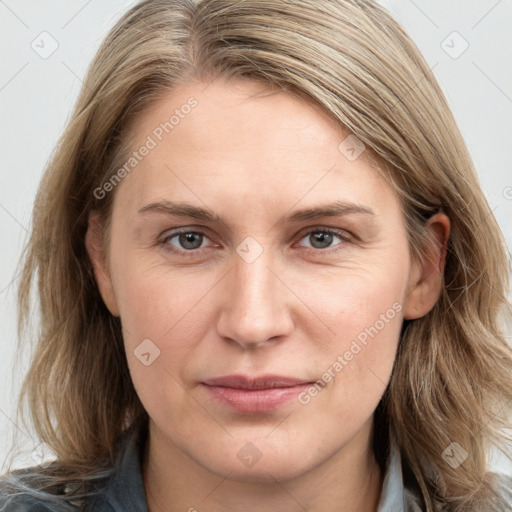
column 181, row 210
column 334, row 209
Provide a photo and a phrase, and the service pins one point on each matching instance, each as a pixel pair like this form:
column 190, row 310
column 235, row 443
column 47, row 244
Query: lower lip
column 255, row 400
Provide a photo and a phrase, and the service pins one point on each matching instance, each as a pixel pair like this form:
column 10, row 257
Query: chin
column 259, row 462
column 263, row 473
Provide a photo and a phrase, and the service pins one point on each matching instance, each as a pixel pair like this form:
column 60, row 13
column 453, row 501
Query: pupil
column 325, row 240
column 187, row 240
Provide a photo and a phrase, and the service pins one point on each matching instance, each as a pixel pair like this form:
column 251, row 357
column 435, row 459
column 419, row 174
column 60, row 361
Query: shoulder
column 17, row 493
column 18, row 504
column 25, row 503
column 20, row 491
column 22, row 502
column 109, row 489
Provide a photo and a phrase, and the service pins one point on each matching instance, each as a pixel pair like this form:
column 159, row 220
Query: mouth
column 254, row 394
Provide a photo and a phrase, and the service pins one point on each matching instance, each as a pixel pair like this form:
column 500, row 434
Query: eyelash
column 193, row 252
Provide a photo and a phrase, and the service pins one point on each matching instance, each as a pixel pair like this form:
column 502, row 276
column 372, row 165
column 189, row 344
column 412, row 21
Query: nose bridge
column 255, row 308
column 254, row 283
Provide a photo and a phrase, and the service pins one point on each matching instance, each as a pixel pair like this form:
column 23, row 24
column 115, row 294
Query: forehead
column 237, row 144
column 237, row 111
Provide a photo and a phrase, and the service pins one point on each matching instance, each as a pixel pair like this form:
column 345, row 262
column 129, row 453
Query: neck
column 349, row 481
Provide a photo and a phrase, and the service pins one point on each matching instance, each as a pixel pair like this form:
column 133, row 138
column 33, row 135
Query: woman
column 268, row 277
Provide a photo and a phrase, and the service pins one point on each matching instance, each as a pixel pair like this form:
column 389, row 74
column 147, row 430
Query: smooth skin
column 254, row 161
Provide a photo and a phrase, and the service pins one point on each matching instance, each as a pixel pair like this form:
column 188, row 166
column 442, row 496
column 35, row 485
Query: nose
column 255, row 309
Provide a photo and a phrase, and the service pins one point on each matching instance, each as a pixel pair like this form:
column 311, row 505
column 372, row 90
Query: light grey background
column 37, row 92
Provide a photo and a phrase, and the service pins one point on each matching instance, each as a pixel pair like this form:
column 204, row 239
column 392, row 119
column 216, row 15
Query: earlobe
column 96, row 251
column 426, row 277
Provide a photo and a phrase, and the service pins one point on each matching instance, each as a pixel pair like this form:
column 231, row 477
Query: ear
column 94, row 243
column 426, row 278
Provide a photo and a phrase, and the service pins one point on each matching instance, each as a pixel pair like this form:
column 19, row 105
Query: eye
column 188, row 242
column 185, row 241
column 323, row 239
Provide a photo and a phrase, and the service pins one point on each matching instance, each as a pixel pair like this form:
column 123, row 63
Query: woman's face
column 296, row 265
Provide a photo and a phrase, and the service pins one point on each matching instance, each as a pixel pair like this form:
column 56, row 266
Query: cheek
column 163, row 317
column 153, row 298
column 358, row 301
column 365, row 356
column 148, row 296
column 364, row 311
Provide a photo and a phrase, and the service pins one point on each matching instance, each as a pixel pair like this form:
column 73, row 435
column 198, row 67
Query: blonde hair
column 451, row 379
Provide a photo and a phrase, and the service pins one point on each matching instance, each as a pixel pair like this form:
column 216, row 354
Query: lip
column 254, row 394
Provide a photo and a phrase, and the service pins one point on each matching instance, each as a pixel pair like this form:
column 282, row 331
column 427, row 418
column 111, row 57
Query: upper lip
column 261, row 382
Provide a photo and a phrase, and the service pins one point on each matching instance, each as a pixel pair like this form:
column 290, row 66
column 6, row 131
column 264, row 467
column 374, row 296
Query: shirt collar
column 124, row 490
column 395, row 497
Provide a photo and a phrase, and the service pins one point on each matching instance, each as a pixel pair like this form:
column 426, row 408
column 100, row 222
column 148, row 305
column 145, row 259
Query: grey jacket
column 124, row 490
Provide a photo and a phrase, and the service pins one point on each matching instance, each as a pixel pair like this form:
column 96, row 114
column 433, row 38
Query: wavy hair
column 452, row 375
